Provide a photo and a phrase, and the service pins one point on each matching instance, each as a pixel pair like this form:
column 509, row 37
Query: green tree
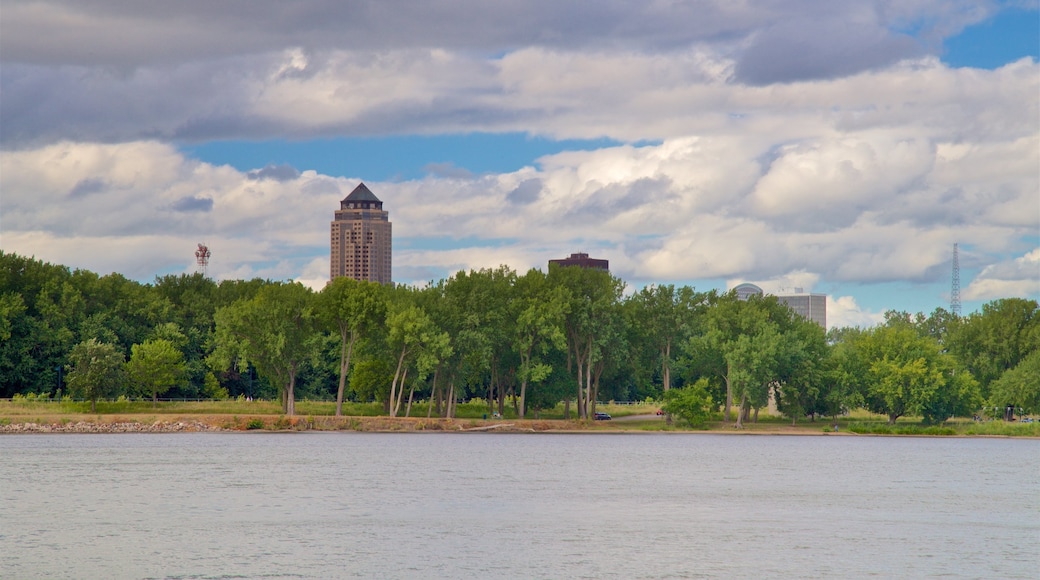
column 692, row 404
column 95, row 370
column 995, row 340
column 155, row 366
column 351, row 307
column 593, row 307
column 1019, row 386
column 539, row 311
column 418, row 342
column 273, row 331
column 807, row 372
column 904, row 370
column 662, row 317
column 742, row 345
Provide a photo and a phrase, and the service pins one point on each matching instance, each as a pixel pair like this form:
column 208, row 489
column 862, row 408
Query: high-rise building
column 361, row 238
column 810, row 306
column 583, row 261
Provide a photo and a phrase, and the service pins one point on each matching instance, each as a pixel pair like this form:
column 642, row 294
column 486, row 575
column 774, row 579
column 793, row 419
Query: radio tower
column 955, row 288
column 202, row 258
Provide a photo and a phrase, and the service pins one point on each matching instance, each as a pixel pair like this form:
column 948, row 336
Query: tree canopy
column 534, row 339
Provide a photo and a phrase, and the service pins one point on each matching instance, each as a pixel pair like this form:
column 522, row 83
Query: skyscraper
column 361, row 238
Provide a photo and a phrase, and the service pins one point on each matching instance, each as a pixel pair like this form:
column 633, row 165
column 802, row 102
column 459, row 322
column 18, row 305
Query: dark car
column 602, row 417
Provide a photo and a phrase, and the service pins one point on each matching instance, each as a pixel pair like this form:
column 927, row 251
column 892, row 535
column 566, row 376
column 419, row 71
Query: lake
column 452, row 505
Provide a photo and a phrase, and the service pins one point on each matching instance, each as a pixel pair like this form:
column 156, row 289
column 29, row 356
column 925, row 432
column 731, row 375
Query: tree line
column 521, row 341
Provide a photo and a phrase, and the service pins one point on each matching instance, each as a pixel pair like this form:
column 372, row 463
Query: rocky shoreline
column 116, row 427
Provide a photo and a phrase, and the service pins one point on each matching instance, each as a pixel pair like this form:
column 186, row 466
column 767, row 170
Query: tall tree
column 805, row 380
column 273, row 331
column 903, row 370
column 539, row 311
column 1019, row 386
column 155, row 366
column 663, row 316
column 95, row 370
column 352, row 307
column 417, row 341
column 995, row 340
column 594, row 297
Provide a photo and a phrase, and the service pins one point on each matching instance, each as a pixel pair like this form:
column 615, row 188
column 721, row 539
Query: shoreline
column 116, row 424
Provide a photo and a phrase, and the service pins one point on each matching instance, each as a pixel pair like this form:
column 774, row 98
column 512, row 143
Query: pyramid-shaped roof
column 361, row 193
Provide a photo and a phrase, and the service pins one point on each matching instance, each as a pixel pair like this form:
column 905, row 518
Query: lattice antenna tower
column 955, row 287
column 202, row 255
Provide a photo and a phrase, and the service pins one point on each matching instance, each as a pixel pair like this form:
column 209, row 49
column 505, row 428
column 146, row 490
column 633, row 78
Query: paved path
column 639, row 417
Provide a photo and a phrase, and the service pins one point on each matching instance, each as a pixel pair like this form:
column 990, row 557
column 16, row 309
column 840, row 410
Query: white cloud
column 1019, row 277
column 867, row 172
column 843, row 311
column 690, row 208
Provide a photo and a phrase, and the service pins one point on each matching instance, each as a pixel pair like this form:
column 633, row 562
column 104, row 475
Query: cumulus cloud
column 108, row 71
column 113, row 33
column 1017, row 277
column 685, row 209
column 843, row 311
column 801, row 143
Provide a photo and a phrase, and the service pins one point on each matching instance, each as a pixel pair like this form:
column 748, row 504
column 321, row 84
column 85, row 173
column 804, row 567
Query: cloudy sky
column 840, row 147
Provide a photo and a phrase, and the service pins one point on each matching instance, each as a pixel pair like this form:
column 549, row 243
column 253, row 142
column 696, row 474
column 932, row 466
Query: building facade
column 809, row 306
column 583, row 261
column 361, row 238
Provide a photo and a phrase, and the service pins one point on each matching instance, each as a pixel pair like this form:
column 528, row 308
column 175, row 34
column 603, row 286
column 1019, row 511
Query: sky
column 834, row 146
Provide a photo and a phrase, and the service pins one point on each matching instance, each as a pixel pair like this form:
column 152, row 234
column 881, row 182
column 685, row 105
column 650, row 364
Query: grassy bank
column 241, row 415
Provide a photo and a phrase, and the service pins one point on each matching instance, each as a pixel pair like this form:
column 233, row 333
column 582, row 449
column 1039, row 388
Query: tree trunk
column 580, row 402
column 400, row 392
column 434, row 394
column 449, row 410
column 589, row 403
column 755, row 420
column 740, row 412
column 566, row 409
column 666, row 368
column 393, row 385
column 408, row 409
column 729, row 396
column 344, row 359
column 290, row 395
column 892, row 419
column 595, row 384
column 522, row 410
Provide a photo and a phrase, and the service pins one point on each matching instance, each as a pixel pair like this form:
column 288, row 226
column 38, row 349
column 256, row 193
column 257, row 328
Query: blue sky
column 840, row 147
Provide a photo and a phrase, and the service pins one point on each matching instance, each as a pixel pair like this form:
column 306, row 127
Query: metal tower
column 955, row 288
column 202, row 258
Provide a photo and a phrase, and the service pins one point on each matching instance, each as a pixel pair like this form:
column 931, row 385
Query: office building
column 361, row 238
column 583, row 261
column 810, row 306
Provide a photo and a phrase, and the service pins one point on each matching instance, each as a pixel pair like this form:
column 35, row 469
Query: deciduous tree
column 155, row 366
column 272, row 331
column 96, row 370
column 351, row 307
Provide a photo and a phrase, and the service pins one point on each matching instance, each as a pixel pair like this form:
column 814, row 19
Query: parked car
column 602, row 417
column 660, row 411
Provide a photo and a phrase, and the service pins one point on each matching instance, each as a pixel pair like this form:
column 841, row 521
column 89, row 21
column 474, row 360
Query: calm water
column 346, row 505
